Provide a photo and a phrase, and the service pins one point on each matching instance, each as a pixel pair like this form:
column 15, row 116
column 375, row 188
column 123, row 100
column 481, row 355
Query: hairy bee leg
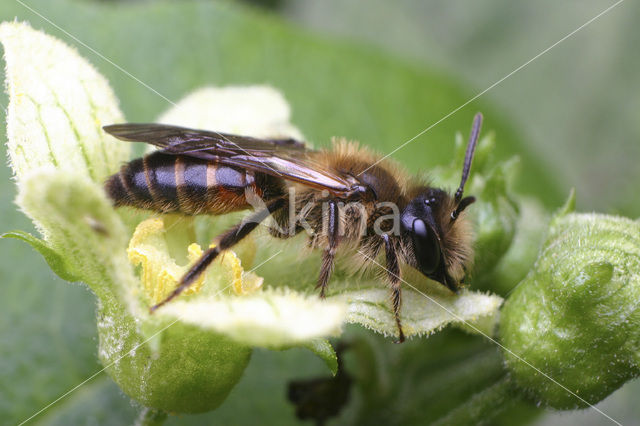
column 225, row 241
column 329, row 254
column 393, row 274
column 282, row 229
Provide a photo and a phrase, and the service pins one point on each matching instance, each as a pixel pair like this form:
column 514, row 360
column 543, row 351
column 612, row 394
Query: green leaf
column 380, row 100
column 54, row 260
column 324, row 350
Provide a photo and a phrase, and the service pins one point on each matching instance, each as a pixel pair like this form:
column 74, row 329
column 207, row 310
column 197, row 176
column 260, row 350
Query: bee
column 345, row 197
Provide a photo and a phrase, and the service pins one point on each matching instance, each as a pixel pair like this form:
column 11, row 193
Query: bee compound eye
column 426, row 247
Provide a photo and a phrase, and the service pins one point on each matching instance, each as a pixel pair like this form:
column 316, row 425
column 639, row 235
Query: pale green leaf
column 57, row 105
column 270, row 318
column 422, row 313
column 78, row 224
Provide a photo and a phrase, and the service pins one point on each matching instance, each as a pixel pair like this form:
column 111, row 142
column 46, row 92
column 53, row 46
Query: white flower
column 58, row 104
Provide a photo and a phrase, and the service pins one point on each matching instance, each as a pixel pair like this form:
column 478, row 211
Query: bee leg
column 329, row 253
column 393, row 274
column 282, row 228
column 225, row 241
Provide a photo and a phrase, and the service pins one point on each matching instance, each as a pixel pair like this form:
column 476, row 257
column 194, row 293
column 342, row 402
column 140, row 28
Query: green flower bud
column 575, row 316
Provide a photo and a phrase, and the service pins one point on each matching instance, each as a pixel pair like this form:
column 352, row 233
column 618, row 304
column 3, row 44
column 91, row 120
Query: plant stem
column 483, row 406
column 151, row 417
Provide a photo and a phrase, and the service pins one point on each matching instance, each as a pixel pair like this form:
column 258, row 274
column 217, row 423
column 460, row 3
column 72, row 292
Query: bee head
column 440, row 243
column 433, row 225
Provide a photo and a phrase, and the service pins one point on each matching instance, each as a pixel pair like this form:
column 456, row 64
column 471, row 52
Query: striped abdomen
column 169, row 183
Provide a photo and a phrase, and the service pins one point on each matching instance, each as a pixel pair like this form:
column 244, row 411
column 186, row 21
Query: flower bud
column 575, row 316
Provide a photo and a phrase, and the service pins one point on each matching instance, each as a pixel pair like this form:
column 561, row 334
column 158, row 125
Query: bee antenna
column 463, row 203
column 468, row 156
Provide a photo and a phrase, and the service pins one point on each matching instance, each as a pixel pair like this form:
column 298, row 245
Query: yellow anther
column 160, row 274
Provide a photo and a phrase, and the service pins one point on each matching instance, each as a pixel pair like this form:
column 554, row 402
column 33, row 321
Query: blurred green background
column 376, row 71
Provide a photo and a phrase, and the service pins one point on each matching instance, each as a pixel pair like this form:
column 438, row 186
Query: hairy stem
column 484, row 405
column 151, row 417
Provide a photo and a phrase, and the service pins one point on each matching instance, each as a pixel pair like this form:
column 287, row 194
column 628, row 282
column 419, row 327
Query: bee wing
column 285, row 158
column 181, row 140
